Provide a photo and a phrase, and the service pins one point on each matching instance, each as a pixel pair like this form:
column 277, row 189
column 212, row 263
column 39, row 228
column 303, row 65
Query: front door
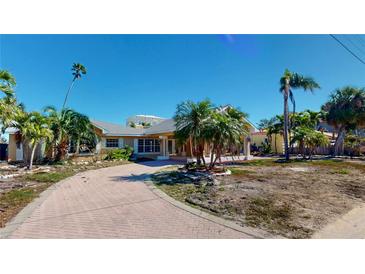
column 19, row 152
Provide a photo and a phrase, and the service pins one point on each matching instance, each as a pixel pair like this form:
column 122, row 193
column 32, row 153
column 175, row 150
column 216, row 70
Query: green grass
column 341, row 171
column 51, row 177
column 16, row 197
column 239, row 171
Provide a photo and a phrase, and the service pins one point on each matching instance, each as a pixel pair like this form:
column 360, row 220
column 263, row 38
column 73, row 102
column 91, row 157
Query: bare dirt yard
column 292, row 199
column 18, row 186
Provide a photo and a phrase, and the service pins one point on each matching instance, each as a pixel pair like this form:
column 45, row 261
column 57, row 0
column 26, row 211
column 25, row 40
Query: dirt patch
column 292, row 199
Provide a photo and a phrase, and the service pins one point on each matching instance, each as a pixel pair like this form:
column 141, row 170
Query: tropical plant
column 120, row 153
column 9, row 108
column 68, row 125
column 224, row 129
column 7, row 83
column 273, row 127
column 288, row 82
column 34, row 128
column 264, row 124
column 308, row 138
column 353, row 144
column 146, row 124
column 80, row 129
column 77, row 70
column 191, row 119
column 345, row 111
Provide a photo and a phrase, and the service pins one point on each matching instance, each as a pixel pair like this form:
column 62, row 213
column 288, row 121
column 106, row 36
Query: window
column 140, row 145
column 148, row 145
column 112, row 143
column 157, row 145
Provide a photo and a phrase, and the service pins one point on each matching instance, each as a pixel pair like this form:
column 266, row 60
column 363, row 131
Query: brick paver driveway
column 114, row 203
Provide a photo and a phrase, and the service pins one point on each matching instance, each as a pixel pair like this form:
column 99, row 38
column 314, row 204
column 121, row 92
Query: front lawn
column 292, row 199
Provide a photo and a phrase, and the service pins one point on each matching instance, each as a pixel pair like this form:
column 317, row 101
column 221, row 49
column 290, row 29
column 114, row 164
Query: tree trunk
column 191, row 147
column 338, row 149
column 276, row 149
column 77, row 146
column 68, row 91
column 286, row 122
column 32, row 157
column 202, row 154
column 211, row 157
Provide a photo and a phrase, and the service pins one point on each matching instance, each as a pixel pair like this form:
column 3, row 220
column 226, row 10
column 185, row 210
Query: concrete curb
column 21, row 217
column 252, row 232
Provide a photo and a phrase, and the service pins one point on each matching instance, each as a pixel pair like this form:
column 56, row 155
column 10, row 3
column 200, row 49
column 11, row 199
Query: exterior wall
column 259, row 137
column 12, row 150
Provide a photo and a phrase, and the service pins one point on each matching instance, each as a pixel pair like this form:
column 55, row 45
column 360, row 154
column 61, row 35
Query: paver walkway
column 114, row 203
column 349, row 226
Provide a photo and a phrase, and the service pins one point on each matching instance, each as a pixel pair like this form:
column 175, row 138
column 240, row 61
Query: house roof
column 167, row 125
column 110, row 129
column 11, row 130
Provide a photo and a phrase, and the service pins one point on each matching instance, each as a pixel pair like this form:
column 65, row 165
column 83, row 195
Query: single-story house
column 156, row 141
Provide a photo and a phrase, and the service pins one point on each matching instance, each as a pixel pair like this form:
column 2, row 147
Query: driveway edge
column 255, row 233
column 20, row 218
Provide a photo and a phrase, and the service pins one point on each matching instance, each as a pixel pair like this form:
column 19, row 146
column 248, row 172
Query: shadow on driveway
column 136, row 178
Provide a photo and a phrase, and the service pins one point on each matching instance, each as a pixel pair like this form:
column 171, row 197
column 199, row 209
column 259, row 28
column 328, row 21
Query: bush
column 120, row 153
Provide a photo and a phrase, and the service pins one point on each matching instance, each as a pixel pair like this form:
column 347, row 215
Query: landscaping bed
column 292, row 199
column 18, row 186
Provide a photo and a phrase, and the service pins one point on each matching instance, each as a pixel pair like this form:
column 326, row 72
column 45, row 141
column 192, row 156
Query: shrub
column 120, row 153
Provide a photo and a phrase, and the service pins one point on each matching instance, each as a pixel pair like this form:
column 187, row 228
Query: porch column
column 164, row 149
column 248, row 148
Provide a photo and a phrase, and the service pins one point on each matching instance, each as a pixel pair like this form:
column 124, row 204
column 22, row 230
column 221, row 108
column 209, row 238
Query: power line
column 349, row 50
column 354, row 44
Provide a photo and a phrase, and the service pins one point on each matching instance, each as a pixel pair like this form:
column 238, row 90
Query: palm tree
column 7, row 83
column 224, row 130
column 8, row 104
column 190, row 119
column 288, row 82
column 81, row 129
column 68, row 125
column 34, row 128
column 77, row 69
column 345, row 111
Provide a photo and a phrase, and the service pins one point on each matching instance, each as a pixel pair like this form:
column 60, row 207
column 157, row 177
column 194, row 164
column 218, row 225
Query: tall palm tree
column 77, row 69
column 34, row 128
column 288, row 82
column 345, row 111
column 190, row 119
column 7, row 82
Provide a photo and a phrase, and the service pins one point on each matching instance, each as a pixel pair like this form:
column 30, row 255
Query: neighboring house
column 144, row 120
column 277, row 141
column 17, row 150
column 155, row 142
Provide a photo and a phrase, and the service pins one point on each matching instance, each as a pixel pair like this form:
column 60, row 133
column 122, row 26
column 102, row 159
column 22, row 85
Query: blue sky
column 151, row 74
